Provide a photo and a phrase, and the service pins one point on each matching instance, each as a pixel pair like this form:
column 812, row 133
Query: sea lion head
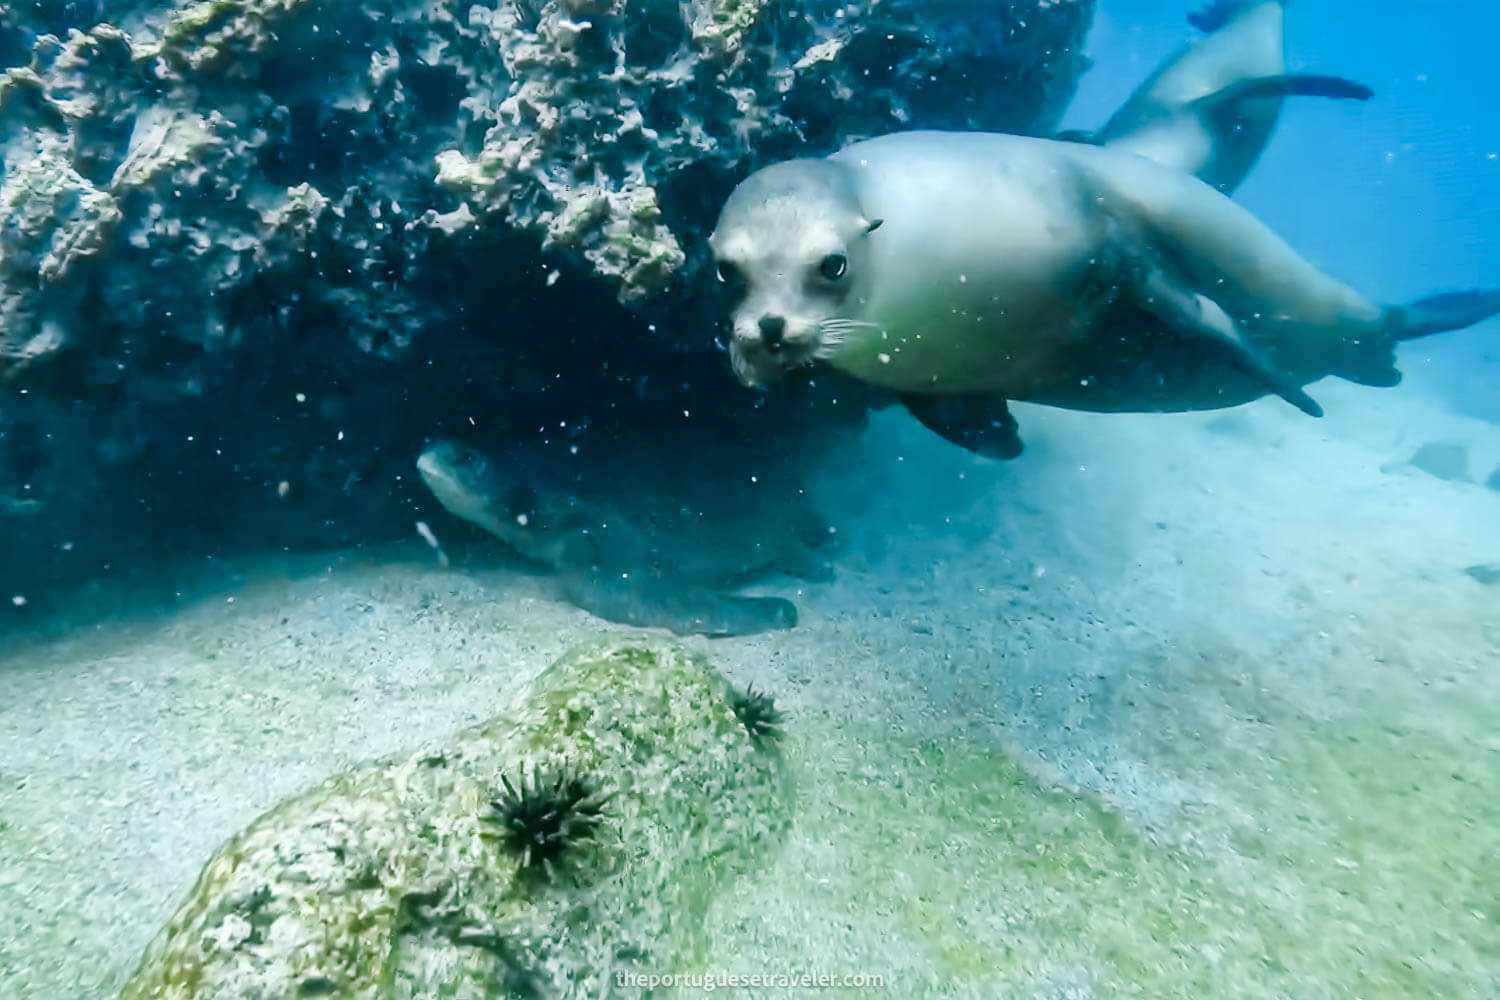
column 464, row 479
column 790, row 249
column 518, row 505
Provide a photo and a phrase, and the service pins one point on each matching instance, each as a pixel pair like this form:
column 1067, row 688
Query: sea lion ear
column 870, row 227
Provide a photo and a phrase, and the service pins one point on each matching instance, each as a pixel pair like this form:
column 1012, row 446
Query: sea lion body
column 1040, row 270
column 1208, row 110
column 1020, row 261
column 1050, row 252
column 1173, row 117
column 643, row 557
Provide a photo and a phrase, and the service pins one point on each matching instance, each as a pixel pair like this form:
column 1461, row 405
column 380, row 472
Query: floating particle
column 431, row 539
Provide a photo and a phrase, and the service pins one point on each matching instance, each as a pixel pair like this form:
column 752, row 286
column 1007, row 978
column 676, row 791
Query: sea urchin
column 546, row 817
column 757, row 712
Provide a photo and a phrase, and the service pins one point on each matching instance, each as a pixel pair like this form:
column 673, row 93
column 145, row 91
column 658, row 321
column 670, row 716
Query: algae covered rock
column 402, row 878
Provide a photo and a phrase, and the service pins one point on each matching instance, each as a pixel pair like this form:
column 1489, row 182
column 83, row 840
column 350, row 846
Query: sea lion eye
column 727, row 273
column 833, row 266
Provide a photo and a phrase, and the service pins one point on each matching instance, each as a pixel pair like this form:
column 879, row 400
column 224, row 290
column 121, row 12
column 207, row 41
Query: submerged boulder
column 440, row 873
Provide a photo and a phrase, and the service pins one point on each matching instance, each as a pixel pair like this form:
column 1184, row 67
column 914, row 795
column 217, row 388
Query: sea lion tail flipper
column 1441, row 313
column 1197, row 317
column 1371, row 359
column 979, row 422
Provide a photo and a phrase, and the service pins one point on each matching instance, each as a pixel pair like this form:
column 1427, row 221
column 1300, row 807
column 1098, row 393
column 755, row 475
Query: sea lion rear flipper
column 979, row 422
column 1198, row 317
column 1443, row 312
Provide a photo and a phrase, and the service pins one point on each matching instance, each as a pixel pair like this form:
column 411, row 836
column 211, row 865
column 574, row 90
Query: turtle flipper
column 651, row 602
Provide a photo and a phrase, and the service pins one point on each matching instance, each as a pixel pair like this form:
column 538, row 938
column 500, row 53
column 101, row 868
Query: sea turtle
column 651, row 542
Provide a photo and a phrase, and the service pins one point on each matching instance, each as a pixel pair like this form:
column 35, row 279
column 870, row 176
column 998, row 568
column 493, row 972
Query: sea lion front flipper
column 979, row 422
column 1318, row 85
column 1194, row 316
column 1287, row 85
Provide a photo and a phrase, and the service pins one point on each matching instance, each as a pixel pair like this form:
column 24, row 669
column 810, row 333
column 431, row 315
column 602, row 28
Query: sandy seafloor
column 1174, row 706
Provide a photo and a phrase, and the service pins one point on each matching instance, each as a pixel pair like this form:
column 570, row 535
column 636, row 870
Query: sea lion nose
column 772, row 330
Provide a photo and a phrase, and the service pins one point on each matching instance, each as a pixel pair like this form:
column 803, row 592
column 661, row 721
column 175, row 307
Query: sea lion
column 954, row 263
column 646, row 560
column 1209, row 110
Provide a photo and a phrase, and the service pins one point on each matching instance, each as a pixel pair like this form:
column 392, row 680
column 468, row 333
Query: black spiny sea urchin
column 757, row 712
column 546, row 817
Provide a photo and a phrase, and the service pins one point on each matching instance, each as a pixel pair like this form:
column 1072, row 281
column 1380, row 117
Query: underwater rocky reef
column 1193, row 705
column 258, row 250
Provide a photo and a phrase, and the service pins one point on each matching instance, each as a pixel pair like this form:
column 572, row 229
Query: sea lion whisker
column 829, row 339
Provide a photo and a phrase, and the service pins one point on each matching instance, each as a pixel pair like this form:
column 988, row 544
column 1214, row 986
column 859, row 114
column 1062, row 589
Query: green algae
column 1071, row 884
column 1357, row 858
column 200, row 17
column 721, row 26
column 208, row 16
column 1369, row 831
column 219, row 34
